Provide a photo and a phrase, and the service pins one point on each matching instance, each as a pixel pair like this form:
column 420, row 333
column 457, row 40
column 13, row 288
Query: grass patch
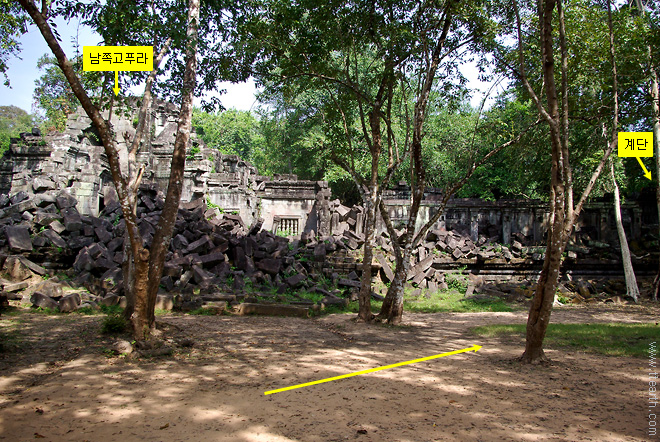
column 314, row 297
column 88, row 311
column 452, row 301
column 606, row 339
column 204, row 312
column 46, row 311
column 111, row 309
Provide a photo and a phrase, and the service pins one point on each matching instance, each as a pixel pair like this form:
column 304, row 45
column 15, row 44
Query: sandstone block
column 165, row 302
column 19, row 238
column 69, row 303
column 40, row 300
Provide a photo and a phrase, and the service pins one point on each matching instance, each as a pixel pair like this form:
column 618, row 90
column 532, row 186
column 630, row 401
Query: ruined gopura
column 74, row 162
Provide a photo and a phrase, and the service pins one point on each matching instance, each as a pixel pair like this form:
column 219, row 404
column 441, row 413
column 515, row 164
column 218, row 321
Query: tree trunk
column 392, row 309
column 142, row 269
column 631, row 282
column 364, row 298
column 655, row 98
column 541, row 308
column 544, row 296
column 165, row 227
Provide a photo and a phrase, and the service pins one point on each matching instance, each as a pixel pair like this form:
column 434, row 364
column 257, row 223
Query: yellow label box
column 118, row 58
column 635, row 144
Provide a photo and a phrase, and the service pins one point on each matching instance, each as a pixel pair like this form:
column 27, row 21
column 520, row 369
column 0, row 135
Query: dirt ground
column 59, row 384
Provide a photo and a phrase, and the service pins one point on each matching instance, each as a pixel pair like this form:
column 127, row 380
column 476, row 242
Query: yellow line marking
column 474, row 348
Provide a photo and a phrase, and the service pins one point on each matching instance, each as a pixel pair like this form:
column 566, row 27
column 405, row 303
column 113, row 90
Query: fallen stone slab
column 319, row 252
column 45, row 218
column 348, row 283
column 71, row 219
column 55, row 239
column 103, row 235
column 49, row 288
column 421, row 267
column 212, row 259
column 270, row 265
column 256, row 227
column 14, row 286
column 110, row 300
column 64, row 201
column 295, row 280
column 69, row 303
column 21, row 207
column 387, row 270
column 57, row 226
column 327, row 301
column 272, row 310
column 32, row 266
column 18, row 197
column 19, row 238
column 16, row 269
column 40, row 300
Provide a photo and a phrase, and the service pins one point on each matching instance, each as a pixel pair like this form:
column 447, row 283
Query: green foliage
column 12, row 25
column 47, row 311
column 559, row 296
column 231, row 132
column 53, row 94
column 210, row 205
column 111, row 309
column 457, row 281
column 13, row 121
column 87, row 311
column 611, row 339
column 194, row 150
column 114, row 323
column 284, row 233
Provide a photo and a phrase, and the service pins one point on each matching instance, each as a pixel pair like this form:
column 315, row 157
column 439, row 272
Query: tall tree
column 142, row 266
column 554, row 110
column 13, row 24
column 231, row 131
column 376, row 65
column 53, row 93
column 632, row 290
column 13, row 121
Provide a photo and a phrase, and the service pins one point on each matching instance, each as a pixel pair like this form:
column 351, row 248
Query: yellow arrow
column 647, row 174
column 116, row 88
column 474, row 348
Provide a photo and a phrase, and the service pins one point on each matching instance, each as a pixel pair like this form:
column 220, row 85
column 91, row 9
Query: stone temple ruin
column 73, row 162
column 58, row 210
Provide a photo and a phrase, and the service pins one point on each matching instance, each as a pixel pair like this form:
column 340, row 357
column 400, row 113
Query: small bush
column 111, row 309
column 114, row 323
column 87, row 311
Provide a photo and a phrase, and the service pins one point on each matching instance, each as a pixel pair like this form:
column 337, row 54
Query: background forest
column 296, row 127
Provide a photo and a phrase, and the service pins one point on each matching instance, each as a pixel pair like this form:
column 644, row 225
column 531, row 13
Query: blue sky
column 23, row 72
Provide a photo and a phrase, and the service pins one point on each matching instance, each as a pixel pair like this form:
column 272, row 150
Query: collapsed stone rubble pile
column 216, row 261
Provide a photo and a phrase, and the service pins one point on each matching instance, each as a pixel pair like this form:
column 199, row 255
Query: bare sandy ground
column 59, row 385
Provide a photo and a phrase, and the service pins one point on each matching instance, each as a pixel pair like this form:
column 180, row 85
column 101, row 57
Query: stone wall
column 74, row 162
column 522, row 219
